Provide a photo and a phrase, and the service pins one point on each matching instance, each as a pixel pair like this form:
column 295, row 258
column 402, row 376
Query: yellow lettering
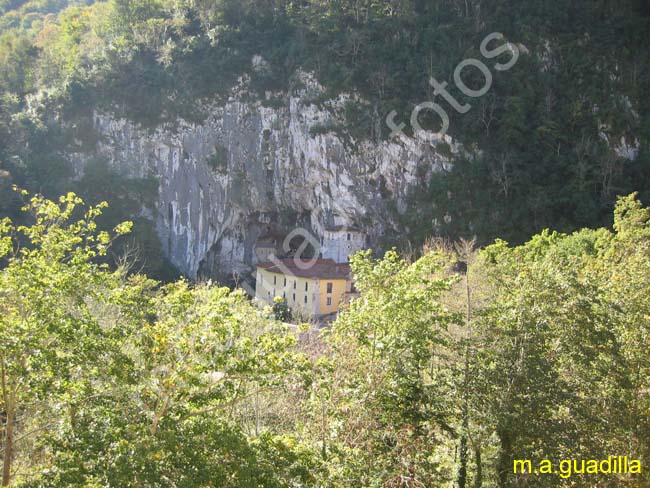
column 565, row 468
column 606, row 466
column 592, row 466
column 545, row 466
column 520, row 466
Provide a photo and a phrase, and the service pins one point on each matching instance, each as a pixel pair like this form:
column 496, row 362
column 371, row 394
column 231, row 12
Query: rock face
column 250, row 167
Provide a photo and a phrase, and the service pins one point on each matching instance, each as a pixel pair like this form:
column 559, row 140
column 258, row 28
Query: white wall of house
column 339, row 245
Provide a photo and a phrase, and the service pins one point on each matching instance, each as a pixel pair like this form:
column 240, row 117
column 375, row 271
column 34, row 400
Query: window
column 284, row 295
column 275, row 280
column 285, row 281
column 294, row 297
column 348, row 237
column 305, row 298
column 295, row 282
column 329, row 287
column 329, row 301
column 307, row 286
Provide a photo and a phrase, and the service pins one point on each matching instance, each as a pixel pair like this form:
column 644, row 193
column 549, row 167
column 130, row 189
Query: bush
column 218, row 162
column 281, row 309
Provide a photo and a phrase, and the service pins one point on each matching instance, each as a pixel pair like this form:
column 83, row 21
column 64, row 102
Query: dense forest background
column 539, row 148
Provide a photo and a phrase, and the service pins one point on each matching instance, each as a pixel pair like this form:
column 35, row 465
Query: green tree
column 47, row 330
column 386, row 406
column 560, row 352
column 172, row 410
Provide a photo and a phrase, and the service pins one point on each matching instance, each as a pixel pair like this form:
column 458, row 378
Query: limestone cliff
column 249, row 166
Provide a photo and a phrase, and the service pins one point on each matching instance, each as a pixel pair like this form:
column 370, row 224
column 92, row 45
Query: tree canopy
column 443, row 371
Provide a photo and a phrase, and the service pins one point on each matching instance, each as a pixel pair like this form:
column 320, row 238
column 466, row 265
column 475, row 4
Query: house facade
column 340, row 242
column 316, row 291
column 313, row 289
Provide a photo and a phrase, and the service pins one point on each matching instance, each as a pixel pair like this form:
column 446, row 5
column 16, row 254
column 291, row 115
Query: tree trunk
column 10, row 419
column 478, row 480
column 8, row 444
column 323, row 429
column 462, row 468
column 505, row 457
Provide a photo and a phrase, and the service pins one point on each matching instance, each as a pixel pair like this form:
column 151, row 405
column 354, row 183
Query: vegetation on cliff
column 540, row 147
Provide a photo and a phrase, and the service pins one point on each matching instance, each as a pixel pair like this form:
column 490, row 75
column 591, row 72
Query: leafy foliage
column 129, row 384
column 443, row 370
column 387, row 393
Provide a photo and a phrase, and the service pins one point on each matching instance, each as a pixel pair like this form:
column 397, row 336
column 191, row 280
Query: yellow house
column 311, row 289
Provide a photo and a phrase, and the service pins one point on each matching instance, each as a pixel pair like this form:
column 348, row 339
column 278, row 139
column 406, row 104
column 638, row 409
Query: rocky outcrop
column 255, row 164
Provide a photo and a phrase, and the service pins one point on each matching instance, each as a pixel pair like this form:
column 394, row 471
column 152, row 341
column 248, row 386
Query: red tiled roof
column 321, row 268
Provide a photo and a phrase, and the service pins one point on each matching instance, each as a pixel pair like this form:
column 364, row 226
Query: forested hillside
column 551, row 145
